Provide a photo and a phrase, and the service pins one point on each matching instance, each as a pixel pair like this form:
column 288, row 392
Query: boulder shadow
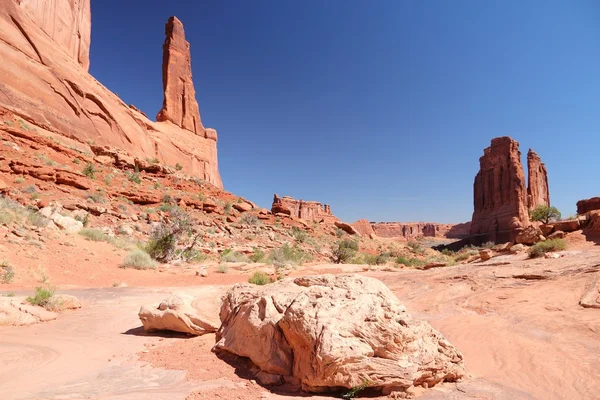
column 593, row 237
column 139, row 331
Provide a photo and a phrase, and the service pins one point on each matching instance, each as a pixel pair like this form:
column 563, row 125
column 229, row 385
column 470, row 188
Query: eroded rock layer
column 52, row 92
column 411, row 230
column 587, row 205
column 538, row 192
column 307, row 210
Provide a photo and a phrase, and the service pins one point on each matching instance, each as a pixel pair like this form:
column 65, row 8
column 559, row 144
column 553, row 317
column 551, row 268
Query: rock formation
column 44, row 47
column 500, row 194
column 307, row 210
column 179, row 104
column 538, row 192
column 411, row 230
column 178, row 313
column 587, row 205
column 67, row 22
column 330, row 332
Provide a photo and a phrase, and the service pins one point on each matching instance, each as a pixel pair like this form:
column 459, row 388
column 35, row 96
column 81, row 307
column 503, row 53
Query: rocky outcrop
column 591, row 296
column 67, row 22
column 178, row 313
column 179, row 105
column 411, row 230
column 332, row 332
column 500, row 194
column 364, row 228
column 44, row 82
column 307, row 210
column 538, row 192
column 587, row 205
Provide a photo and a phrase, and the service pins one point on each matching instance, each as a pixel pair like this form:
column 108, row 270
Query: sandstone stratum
column 44, row 81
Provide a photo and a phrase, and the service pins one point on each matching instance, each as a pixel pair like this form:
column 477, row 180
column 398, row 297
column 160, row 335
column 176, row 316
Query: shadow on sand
column 139, row 331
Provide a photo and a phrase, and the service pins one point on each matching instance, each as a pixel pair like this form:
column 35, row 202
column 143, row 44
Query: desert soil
column 517, row 322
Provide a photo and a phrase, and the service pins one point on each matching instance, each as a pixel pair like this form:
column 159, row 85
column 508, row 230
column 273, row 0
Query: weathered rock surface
column 411, row 230
column 500, row 195
column 179, row 313
column 15, row 312
column 538, row 192
column 349, row 229
column 529, row 236
column 364, row 228
column 594, row 221
column 307, row 210
column 179, row 105
column 587, row 205
column 591, row 296
column 567, row 226
column 485, row 254
column 45, row 83
column 332, row 332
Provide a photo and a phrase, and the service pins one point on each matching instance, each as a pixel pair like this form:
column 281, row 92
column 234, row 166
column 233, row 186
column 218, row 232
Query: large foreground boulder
column 333, row 332
column 178, row 313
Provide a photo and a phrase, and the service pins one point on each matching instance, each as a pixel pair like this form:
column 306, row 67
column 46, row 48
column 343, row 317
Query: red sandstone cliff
column 411, row 230
column 538, row 192
column 587, row 205
column 44, row 47
column 307, row 210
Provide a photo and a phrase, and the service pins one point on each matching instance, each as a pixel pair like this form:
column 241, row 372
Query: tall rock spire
column 179, row 104
column 538, row 192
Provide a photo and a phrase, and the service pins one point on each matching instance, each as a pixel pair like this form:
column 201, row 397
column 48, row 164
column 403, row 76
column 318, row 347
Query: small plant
column 115, row 284
column 461, row 256
column 544, row 214
column 416, row 247
column 344, row 250
column 249, row 219
column 257, row 255
column 227, row 208
column 139, row 259
column 42, row 296
column 76, row 161
column 95, row 235
column 90, row 171
column 34, row 196
column 97, row 197
column 7, row 273
column 134, row 176
column 300, row 235
column 37, row 219
column 541, row 248
column 178, row 167
column 152, row 160
column 19, row 180
column 30, row 189
column 222, row 269
column 175, row 239
column 107, row 179
column 10, row 294
column 339, row 232
column 409, row 261
column 228, row 255
column 288, row 255
column 260, row 278
column 6, row 218
column 83, row 218
column 355, row 390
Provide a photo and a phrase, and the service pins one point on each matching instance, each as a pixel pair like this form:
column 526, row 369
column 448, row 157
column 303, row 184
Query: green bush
column 260, row 278
column 287, row 255
column 7, row 273
column 37, row 219
column 42, row 296
column 257, row 255
column 95, row 235
column 178, row 167
column 410, row 261
column 300, row 235
column 6, row 218
column 545, row 214
column 228, row 255
column 133, row 177
column 139, row 259
column 90, row 171
column 227, row 208
column 249, row 219
column 167, row 238
column 344, row 250
column 541, row 248
column 222, row 269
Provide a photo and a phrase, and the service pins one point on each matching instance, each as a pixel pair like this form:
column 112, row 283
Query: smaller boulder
column 242, row 207
column 486, row 254
column 567, row 226
column 68, row 224
column 517, row 248
column 349, row 229
column 125, row 229
column 547, row 229
column 556, row 235
column 529, row 236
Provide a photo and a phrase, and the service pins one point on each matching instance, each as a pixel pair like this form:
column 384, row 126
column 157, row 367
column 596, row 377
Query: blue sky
column 380, row 108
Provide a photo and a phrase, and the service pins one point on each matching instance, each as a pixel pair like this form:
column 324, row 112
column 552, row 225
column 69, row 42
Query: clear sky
column 380, row 108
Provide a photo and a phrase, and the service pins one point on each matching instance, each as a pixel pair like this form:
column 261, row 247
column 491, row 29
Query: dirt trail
column 519, row 326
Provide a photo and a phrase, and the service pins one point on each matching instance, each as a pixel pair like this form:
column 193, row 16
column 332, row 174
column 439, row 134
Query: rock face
column 178, row 313
column 44, row 82
column 591, row 296
column 67, row 22
column 307, row 210
column 500, row 195
column 179, row 104
column 538, row 192
column 331, row 332
column 587, row 205
column 411, row 230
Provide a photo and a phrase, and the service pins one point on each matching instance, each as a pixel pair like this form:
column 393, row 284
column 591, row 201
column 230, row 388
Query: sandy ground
column 517, row 322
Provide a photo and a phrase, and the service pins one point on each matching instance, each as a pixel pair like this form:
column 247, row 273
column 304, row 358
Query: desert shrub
column 30, row 189
column 541, row 248
column 174, row 239
column 19, row 180
column 83, row 218
column 37, row 219
column 260, row 278
column 133, row 176
column 178, row 167
column 249, row 219
column 257, row 255
column 228, row 255
column 6, row 218
column 152, row 160
column 339, row 232
column 461, row 256
column 90, row 171
column 223, row 268
column 416, row 247
column 344, row 250
column 7, row 273
column 227, row 208
column 139, row 259
column 300, row 235
column 95, row 235
column 42, row 296
column 409, row 261
column 287, row 255
column 76, row 160
column 545, row 214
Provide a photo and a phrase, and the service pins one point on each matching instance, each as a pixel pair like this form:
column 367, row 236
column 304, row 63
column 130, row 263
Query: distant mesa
column 411, row 230
column 44, row 48
column 307, row 210
column 501, row 198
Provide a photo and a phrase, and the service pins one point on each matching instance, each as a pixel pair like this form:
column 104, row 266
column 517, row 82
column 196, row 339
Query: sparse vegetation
column 20, row 179
column 152, row 160
column 6, row 218
column 410, row 261
column 174, row 239
column 223, row 268
column 339, row 232
column 42, row 296
column 544, row 214
column 249, row 219
column 7, row 273
column 300, row 235
column 257, row 255
column 228, row 255
column 95, row 235
column 416, row 247
column 139, row 259
column 541, row 248
column 178, row 167
column 83, row 218
column 76, row 161
column 260, row 278
column 36, row 219
column 344, row 250
column 355, row 390
column 133, row 176
column 376, row 259
column 90, row 171
column 227, row 208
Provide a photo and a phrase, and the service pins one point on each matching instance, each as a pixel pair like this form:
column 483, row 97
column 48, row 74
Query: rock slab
column 332, row 332
column 178, row 313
